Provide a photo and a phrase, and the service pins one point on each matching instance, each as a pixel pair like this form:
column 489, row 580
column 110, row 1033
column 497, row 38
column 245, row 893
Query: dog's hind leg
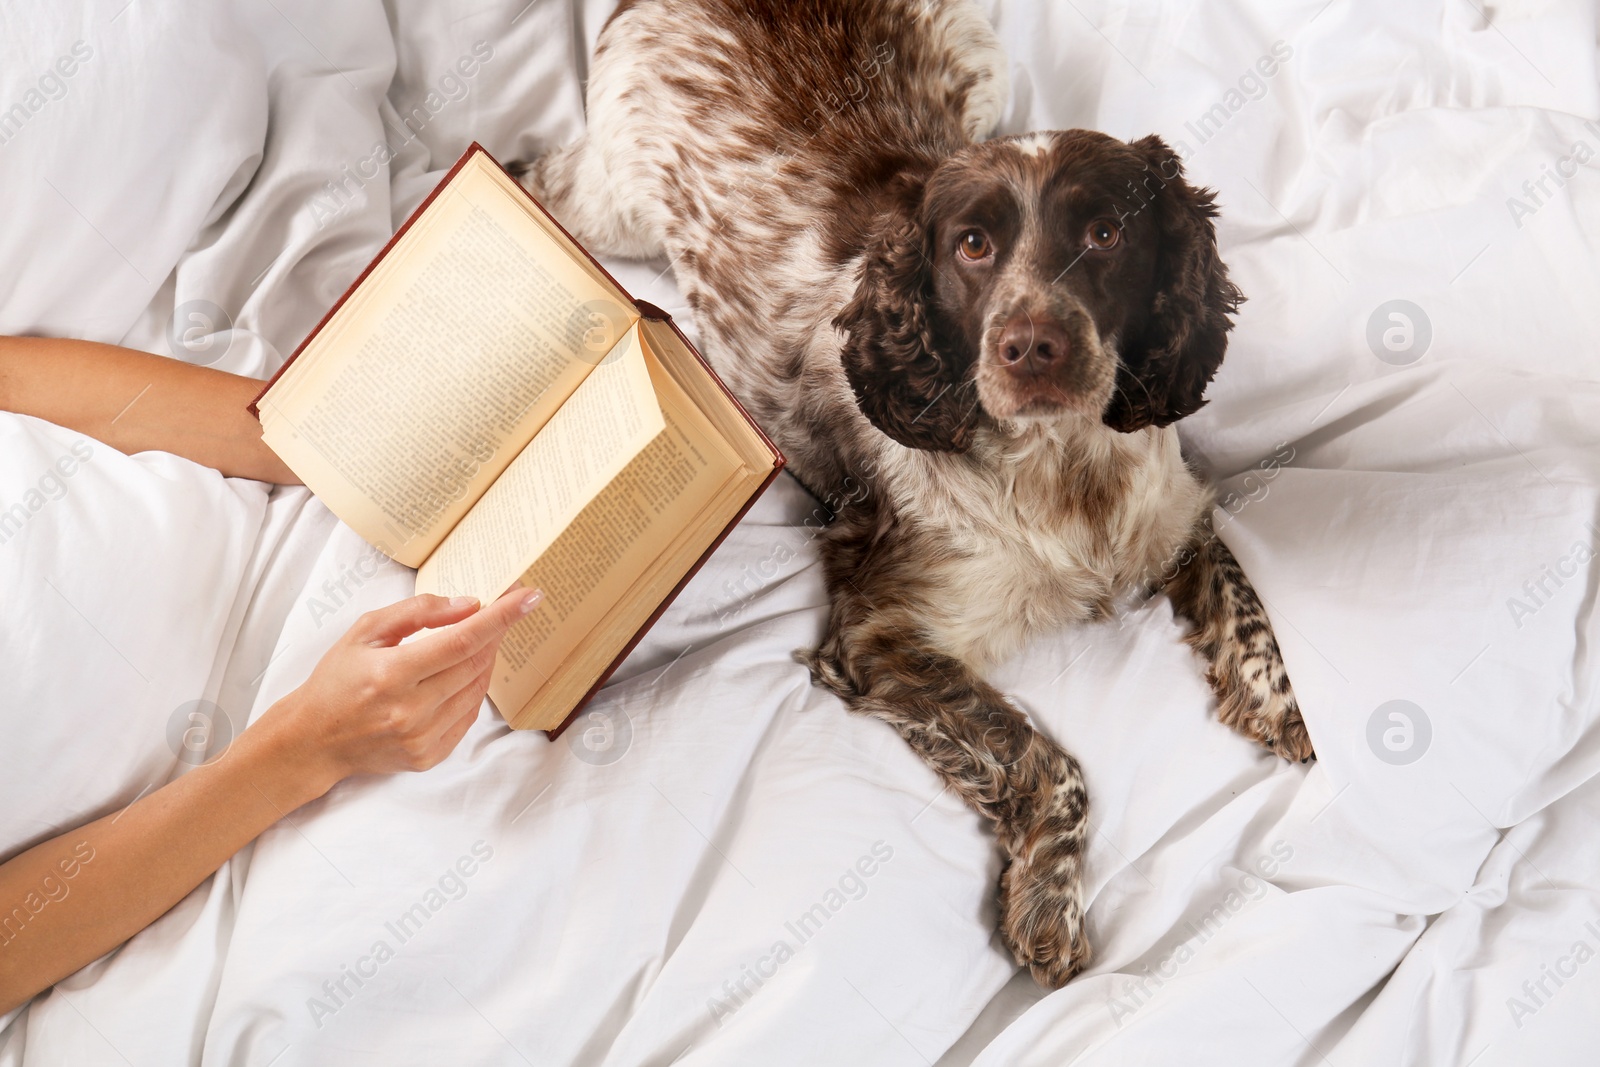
column 593, row 200
column 605, row 187
column 1232, row 631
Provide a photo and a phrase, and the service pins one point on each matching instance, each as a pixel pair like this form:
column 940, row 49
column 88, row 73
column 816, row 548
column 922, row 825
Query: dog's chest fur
column 1074, row 516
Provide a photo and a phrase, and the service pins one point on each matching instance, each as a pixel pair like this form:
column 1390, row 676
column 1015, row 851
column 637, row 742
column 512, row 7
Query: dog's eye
column 1103, row 234
column 974, row 245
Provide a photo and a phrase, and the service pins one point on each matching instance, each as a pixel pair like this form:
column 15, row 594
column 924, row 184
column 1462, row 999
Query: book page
column 639, row 517
column 606, row 422
column 707, row 393
column 447, row 360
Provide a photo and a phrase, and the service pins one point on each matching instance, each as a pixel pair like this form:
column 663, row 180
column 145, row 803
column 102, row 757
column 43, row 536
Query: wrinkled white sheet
column 631, row 911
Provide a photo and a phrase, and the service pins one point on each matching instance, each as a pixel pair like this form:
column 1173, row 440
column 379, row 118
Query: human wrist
column 287, row 764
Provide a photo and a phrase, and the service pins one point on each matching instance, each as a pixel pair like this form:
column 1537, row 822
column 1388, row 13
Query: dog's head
column 1037, row 277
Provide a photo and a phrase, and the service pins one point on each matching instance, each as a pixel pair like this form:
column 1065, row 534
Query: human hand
column 375, row 706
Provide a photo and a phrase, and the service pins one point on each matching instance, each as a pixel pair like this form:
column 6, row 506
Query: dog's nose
column 1030, row 345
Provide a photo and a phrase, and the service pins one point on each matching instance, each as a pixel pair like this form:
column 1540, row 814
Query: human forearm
column 375, row 704
column 130, row 868
column 136, row 402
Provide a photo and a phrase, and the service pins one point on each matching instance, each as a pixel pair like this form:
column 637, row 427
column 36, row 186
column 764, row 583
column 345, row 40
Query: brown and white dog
column 972, row 351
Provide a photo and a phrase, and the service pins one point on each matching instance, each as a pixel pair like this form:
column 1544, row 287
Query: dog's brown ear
column 910, row 384
column 1165, row 369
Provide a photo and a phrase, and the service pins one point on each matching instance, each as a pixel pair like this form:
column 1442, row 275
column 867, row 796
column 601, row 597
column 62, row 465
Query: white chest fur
column 1074, row 515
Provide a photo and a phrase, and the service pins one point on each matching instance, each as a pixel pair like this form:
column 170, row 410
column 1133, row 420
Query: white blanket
column 719, row 865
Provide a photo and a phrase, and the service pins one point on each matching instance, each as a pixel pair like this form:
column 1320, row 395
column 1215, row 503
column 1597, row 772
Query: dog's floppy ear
column 1166, row 368
column 907, row 380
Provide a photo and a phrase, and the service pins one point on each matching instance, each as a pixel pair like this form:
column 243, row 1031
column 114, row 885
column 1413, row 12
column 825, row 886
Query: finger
column 393, row 624
column 440, row 651
column 464, row 700
column 456, row 717
column 440, row 687
column 474, row 708
column 455, row 647
column 447, row 744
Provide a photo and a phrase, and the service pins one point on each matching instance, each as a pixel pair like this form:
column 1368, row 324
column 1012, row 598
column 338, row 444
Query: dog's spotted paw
column 1041, row 895
column 1041, row 913
column 1292, row 741
column 1245, row 667
column 1254, row 695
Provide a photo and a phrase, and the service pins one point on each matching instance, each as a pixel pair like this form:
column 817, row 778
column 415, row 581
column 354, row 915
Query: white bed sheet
column 624, row 904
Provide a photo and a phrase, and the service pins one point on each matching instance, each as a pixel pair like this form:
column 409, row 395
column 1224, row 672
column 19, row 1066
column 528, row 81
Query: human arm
column 137, row 402
column 371, row 706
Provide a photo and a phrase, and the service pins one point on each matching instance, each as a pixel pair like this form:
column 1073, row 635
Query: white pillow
column 123, row 573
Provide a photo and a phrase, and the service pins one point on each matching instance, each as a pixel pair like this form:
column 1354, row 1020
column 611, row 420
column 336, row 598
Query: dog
column 972, row 350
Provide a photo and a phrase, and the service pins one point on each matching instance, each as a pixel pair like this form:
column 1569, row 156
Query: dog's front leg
column 1231, row 630
column 985, row 750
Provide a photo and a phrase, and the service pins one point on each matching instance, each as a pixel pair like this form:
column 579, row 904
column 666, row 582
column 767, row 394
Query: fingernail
column 463, row 602
column 530, row 601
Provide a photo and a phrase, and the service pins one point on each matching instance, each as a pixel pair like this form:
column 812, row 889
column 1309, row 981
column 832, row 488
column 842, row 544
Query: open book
column 486, row 404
